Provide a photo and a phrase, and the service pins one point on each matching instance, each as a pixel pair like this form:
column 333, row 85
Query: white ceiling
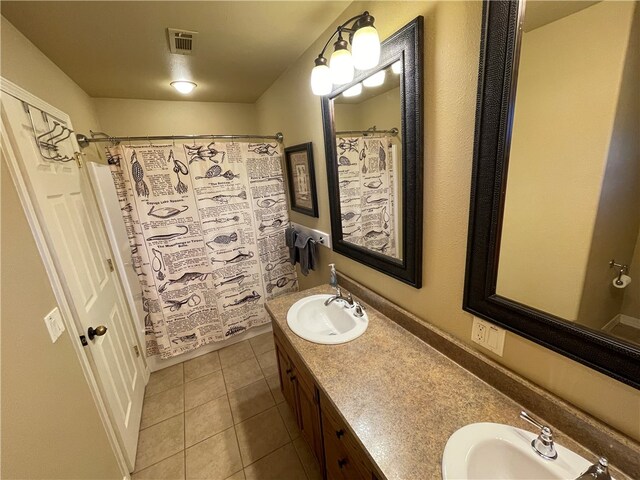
column 120, row 49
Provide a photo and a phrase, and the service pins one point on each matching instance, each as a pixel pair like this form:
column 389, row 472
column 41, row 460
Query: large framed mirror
column 373, row 144
column 554, row 231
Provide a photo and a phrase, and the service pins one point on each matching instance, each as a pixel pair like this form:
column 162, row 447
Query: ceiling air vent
column 181, row 41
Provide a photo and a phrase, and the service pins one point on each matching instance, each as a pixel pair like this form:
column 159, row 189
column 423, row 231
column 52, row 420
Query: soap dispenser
column 333, row 276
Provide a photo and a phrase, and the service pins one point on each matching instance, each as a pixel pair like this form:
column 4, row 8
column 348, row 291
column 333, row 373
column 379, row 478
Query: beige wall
column 452, row 39
column 157, row 117
column 617, row 224
column 631, row 302
column 50, row 425
column 564, row 115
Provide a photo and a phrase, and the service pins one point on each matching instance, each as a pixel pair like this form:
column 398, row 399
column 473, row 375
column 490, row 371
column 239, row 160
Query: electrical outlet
column 488, row 335
column 479, row 332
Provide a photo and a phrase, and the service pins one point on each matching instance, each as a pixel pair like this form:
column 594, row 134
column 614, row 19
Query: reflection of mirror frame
column 406, row 45
column 499, row 51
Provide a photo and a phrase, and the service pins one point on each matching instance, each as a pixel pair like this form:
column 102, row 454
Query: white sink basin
column 495, row 451
column 310, row 319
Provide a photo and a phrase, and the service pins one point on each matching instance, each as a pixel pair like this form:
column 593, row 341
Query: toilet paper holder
column 624, row 270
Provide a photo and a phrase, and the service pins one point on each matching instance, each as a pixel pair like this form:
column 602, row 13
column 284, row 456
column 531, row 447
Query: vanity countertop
column 401, row 397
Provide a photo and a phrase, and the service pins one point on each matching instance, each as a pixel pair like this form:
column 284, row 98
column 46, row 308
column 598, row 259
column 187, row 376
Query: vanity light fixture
column 183, row 86
column 341, row 63
column 365, row 54
column 397, row 67
column 353, row 91
column 375, row 80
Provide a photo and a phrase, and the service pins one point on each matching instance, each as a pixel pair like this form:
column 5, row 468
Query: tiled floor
column 222, row 416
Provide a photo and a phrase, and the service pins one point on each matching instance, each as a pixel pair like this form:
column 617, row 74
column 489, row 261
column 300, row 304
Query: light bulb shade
column 183, row 86
column 375, row 80
column 353, row 91
column 341, row 66
column 366, row 48
column 397, row 67
column 321, row 80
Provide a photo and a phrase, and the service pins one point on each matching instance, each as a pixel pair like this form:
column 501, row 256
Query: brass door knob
column 96, row 332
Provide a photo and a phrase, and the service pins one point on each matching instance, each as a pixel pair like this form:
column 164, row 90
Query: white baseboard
column 156, row 363
column 622, row 319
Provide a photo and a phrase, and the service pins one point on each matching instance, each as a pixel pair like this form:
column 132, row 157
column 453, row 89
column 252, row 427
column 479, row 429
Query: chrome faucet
column 338, row 296
column 598, row 471
column 543, row 445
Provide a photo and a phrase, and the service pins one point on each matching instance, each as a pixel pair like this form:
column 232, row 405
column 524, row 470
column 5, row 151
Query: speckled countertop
column 401, row 397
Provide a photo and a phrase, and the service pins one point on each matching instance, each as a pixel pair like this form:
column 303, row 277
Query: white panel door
column 109, row 206
column 68, row 218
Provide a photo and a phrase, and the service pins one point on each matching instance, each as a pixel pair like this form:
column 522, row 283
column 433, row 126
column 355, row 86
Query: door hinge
column 137, row 350
column 110, row 263
column 78, row 157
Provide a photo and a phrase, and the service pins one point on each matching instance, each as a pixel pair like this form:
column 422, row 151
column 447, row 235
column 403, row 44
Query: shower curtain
column 206, row 225
column 368, row 204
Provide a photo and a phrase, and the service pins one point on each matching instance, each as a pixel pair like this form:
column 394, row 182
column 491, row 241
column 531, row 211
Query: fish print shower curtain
column 206, row 228
column 368, row 206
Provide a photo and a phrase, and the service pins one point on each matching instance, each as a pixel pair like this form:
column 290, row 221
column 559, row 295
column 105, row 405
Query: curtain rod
column 393, row 132
column 85, row 141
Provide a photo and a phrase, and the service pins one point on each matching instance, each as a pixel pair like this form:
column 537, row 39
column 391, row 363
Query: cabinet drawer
column 341, row 463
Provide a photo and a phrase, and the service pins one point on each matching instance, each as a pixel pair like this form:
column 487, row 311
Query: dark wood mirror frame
column 497, row 81
column 406, row 44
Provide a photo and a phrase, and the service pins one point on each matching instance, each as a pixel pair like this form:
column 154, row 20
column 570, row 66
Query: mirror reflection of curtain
column 368, row 204
column 206, row 229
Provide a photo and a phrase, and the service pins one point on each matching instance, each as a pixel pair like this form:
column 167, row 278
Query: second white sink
column 336, row 323
column 492, row 451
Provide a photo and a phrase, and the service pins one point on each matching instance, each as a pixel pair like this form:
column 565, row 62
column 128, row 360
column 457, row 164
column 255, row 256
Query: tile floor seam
column 203, row 375
column 235, row 430
column 254, row 415
column 269, row 453
column 285, row 423
column 135, row 472
column 205, row 439
column 174, row 453
column 304, row 469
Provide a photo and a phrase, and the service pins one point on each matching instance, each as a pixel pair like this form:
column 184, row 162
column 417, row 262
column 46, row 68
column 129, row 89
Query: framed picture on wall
column 302, row 179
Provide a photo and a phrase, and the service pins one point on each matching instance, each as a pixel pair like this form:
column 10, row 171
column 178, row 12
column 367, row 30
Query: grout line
column 162, row 420
column 255, row 414
column 268, row 453
column 156, row 463
column 304, row 469
column 203, row 375
column 163, row 458
column 273, row 451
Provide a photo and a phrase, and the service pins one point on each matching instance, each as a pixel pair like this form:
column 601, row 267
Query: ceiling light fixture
column 183, row 86
column 365, row 54
column 353, row 91
column 397, row 67
column 375, row 80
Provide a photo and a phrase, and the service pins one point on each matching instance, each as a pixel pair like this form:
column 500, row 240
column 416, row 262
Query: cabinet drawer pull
column 339, row 433
column 343, row 462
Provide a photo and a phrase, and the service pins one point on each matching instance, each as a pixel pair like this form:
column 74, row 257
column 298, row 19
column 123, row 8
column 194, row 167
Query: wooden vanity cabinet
column 332, row 442
column 301, row 394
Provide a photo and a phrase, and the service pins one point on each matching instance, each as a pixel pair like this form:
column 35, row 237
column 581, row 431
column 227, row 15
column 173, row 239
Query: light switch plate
column 53, row 321
column 488, row 335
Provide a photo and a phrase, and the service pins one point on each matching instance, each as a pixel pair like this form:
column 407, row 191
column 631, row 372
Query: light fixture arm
column 343, row 28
